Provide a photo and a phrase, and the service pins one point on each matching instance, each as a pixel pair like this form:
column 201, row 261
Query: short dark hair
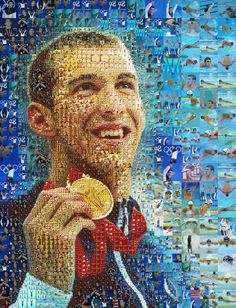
column 42, row 68
column 193, row 76
column 211, row 167
column 207, row 58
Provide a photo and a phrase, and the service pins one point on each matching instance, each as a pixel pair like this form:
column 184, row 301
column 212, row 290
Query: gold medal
column 96, row 194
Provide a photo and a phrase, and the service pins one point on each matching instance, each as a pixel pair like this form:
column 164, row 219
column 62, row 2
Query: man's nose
column 113, row 106
column 111, row 115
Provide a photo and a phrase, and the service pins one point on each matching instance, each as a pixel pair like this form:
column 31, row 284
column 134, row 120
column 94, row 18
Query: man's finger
column 66, row 212
column 74, row 227
column 75, row 203
column 43, row 199
column 51, row 207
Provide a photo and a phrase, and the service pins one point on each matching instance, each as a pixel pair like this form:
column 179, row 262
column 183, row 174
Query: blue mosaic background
column 187, row 75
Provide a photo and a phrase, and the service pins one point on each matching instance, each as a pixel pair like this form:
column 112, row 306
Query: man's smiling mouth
column 111, row 132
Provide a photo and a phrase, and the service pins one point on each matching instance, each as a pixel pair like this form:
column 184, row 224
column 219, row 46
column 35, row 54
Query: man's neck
column 208, row 176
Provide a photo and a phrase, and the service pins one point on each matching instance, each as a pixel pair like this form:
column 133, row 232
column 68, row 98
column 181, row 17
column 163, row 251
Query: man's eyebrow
column 126, row 75
column 83, row 77
column 94, row 77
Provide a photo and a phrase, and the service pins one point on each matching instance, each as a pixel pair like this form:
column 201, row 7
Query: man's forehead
column 104, row 62
column 93, row 55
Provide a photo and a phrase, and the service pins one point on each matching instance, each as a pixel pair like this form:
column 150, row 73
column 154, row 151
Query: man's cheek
column 83, row 105
column 69, row 128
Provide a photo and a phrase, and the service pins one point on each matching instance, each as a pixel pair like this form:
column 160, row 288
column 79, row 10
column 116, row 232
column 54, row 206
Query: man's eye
column 125, row 85
column 87, row 86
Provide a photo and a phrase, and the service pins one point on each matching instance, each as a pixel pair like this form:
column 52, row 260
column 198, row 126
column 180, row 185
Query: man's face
column 210, row 104
column 190, row 80
column 152, row 11
column 97, row 107
column 192, row 25
column 177, row 194
column 208, row 62
column 167, row 196
column 208, row 171
column 31, row 32
column 226, row 241
column 32, row 41
column 8, row 23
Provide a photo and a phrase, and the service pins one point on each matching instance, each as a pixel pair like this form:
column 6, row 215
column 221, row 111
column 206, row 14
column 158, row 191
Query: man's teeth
column 118, row 133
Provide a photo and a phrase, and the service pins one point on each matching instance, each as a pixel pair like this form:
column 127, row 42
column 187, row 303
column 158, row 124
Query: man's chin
column 108, row 164
column 101, row 160
column 114, row 160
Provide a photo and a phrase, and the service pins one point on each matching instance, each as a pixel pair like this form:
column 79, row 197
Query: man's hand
column 50, row 230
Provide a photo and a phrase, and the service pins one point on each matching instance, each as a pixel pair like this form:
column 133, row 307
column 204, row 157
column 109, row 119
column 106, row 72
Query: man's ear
column 40, row 120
